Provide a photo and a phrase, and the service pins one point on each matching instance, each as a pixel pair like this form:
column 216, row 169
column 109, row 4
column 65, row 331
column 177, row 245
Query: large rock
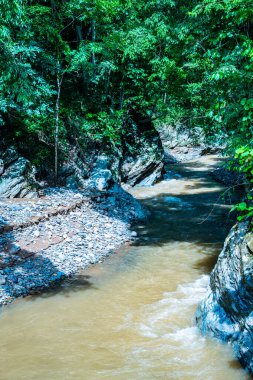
column 145, row 169
column 154, row 177
column 17, row 176
column 75, row 171
column 227, row 311
column 101, row 175
column 142, row 162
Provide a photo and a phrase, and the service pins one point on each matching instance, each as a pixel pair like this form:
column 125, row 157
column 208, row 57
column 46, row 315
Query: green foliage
column 244, row 157
column 103, row 128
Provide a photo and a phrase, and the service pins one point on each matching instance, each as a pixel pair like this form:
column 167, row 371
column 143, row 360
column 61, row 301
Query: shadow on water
column 193, row 218
column 194, row 208
column 77, row 283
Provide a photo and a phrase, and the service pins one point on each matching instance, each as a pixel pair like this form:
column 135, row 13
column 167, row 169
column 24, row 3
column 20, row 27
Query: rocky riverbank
column 47, row 239
column 227, row 311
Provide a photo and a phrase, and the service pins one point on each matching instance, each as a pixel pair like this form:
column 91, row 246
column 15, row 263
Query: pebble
column 15, row 248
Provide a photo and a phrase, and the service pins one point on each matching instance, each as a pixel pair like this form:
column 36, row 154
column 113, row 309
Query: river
column 133, row 316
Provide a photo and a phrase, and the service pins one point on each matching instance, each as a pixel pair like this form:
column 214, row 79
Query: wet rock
column 227, row 311
column 227, row 177
column 128, row 204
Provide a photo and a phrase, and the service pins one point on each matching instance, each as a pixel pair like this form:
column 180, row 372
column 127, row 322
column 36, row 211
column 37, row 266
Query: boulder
column 75, row 171
column 154, row 177
column 144, row 169
column 89, row 170
column 100, row 180
column 227, row 311
column 101, row 176
column 17, row 176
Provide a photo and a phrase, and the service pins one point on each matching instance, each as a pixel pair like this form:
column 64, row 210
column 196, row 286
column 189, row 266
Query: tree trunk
column 56, row 135
column 122, row 95
column 93, row 39
column 79, row 33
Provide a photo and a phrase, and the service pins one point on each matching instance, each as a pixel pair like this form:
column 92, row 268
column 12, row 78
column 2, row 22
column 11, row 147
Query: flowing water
column 132, row 317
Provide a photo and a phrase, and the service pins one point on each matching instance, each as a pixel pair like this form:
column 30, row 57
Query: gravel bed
column 58, row 244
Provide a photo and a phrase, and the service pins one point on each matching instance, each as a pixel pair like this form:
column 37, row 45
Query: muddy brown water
column 133, row 317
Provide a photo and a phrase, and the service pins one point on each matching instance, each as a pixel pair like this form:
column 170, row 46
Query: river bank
column 47, row 239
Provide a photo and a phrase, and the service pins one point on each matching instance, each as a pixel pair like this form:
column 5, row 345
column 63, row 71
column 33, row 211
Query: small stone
column 14, row 279
column 77, row 196
column 15, row 248
column 134, row 234
column 2, row 280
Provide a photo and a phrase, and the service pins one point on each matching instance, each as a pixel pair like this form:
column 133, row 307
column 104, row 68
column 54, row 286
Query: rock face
column 227, row 311
column 181, row 143
column 17, row 177
column 180, row 136
column 138, row 161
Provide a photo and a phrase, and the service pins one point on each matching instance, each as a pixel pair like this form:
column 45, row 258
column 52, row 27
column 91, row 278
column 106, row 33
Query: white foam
column 173, row 315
